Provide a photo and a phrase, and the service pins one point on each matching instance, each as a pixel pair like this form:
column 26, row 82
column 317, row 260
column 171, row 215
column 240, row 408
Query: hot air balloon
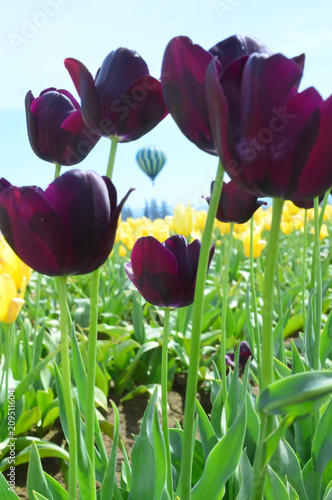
column 151, row 160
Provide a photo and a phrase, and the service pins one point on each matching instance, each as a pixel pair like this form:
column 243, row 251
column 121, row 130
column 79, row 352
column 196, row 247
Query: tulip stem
column 267, row 348
column 91, row 368
column 57, row 170
column 194, row 356
column 318, row 279
column 254, row 300
column 111, row 159
column 268, row 294
column 304, row 267
column 164, row 391
column 69, row 408
column 224, row 310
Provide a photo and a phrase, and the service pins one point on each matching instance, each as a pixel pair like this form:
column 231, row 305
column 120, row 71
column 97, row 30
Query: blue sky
column 37, row 35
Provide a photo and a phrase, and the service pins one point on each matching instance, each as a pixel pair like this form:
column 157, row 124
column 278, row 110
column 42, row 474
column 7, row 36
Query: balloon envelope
column 151, row 160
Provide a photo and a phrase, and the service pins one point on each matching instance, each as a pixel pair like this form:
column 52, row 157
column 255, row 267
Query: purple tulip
column 57, row 132
column 165, row 273
column 67, row 229
column 245, row 354
column 123, row 100
column 272, row 140
column 235, row 205
column 183, row 81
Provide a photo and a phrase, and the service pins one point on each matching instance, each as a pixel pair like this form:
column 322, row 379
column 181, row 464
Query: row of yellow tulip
column 190, row 222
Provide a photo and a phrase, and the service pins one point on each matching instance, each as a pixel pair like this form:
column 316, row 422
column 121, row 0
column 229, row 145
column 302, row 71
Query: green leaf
column 303, row 429
column 208, row 437
column 298, row 394
column 160, row 458
column 123, row 352
column 45, row 450
column 175, row 437
column 309, row 333
column 85, row 472
column 326, row 340
column 109, row 478
column 217, row 470
column 322, row 442
column 246, row 475
column 309, row 479
column 58, row 491
column 274, row 487
column 291, row 492
column 328, row 492
column 142, row 458
column 123, row 380
column 36, row 480
column 6, row 493
column 286, row 464
column 38, row 496
column 61, row 398
column 138, row 320
column 31, row 376
column 297, row 363
column 44, row 399
column 27, row 420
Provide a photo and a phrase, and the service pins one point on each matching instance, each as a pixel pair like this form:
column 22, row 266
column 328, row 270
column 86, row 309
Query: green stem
column 69, row 408
column 57, row 170
column 268, row 294
column 111, row 159
column 35, row 336
column 194, row 357
column 93, row 337
column 164, row 390
column 91, row 368
column 318, row 279
column 267, row 348
column 304, row 266
column 224, row 311
column 322, row 210
column 254, row 300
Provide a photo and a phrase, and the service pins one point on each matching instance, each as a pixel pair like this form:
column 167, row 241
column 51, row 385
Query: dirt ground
column 131, row 413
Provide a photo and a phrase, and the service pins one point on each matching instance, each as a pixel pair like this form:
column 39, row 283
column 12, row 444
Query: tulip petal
column 75, row 140
column 182, row 78
column 33, row 229
column 155, row 270
column 86, row 89
column 237, row 46
column 319, row 158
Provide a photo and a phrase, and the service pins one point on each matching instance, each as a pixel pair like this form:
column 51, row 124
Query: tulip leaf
column 326, row 340
column 309, row 332
column 109, row 478
column 298, row 394
column 38, row 496
column 160, row 458
column 328, row 492
column 56, row 489
column 27, row 420
column 6, row 493
column 291, row 492
column 32, row 375
column 217, row 470
column 246, row 475
column 208, row 437
column 36, row 480
column 85, row 472
column 274, row 487
column 138, row 320
column 309, row 479
column 61, row 398
column 322, row 442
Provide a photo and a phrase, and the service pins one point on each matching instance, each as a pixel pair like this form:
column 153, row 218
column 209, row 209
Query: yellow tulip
column 122, row 251
column 183, row 219
column 323, row 232
column 258, row 244
column 10, row 301
column 13, row 266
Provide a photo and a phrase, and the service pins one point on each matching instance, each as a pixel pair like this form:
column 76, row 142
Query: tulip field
column 130, row 339
column 231, row 302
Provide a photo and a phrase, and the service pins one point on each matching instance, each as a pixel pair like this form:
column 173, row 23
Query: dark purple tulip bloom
column 235, row 205
column 123, row 100
column 183, row 81
column 67, row 229
column 57, row 132
column 165, row 273
column 245, row 354
column 272, row 140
